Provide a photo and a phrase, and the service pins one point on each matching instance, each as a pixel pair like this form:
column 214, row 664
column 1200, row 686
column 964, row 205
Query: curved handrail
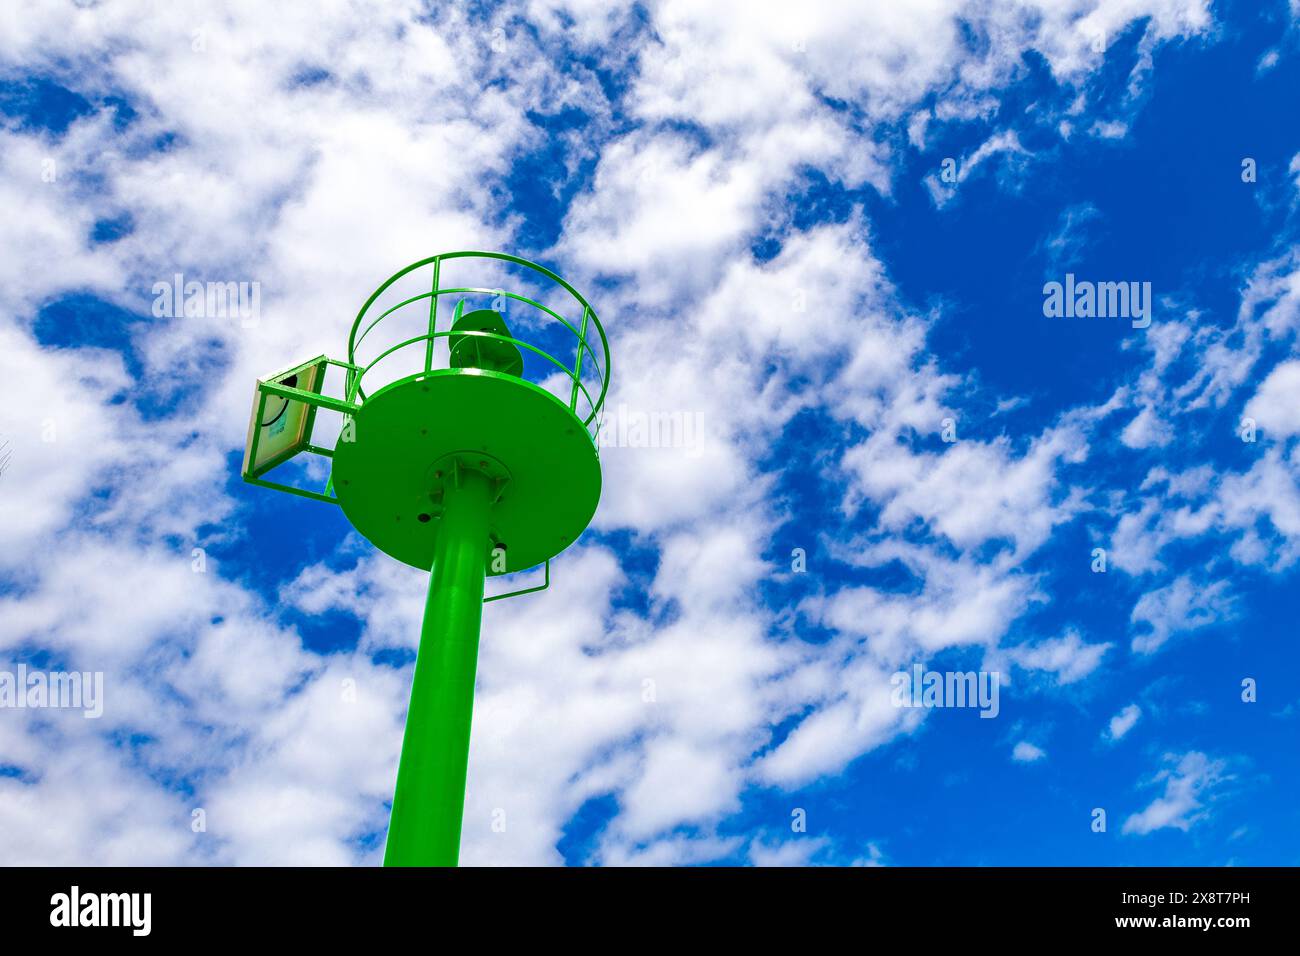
column 470, row 290
column 602, row 368
column 355, row 388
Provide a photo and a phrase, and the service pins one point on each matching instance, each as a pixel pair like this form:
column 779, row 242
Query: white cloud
column 1135, row 541
column 62, row 436
column 1069, row 657
column 87, row 807
column 1190, row 781
column 1147, row 430
column 1109, row 129
column 797, row 851
column 803, row 850
column 1178, row 607
column 1006, row 143
column 676, row 784
column 1276, row 404
column 1025, row 752
column 962, row 602
column 1123, row 722
column 972, row 492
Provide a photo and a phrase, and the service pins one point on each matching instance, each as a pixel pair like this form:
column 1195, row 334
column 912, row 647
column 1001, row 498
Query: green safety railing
column 582, row 334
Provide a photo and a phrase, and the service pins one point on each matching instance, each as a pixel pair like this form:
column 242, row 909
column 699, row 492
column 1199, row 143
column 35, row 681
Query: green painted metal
column 265, row 388
column 386, row 477
column 289, row 489
column 602, row 365
column 446, row 469
column 577, row 359
column 310, row 398
column 584, row 344
column 429, row 801
column 314, row 402
column 498, row 353
column 357, row 394
column 433, row 317
column 509, row 594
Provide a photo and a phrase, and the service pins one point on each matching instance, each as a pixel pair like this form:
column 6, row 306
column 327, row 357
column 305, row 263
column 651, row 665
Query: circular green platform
column 409, row 437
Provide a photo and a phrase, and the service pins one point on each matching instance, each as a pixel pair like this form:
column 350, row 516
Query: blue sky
column 756, row 205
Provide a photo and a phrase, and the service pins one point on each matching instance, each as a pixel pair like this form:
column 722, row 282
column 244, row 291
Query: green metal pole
column 429, row 801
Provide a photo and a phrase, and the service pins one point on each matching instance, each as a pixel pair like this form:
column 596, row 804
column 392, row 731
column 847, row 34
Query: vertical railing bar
column 577, row 362
column 433, row 315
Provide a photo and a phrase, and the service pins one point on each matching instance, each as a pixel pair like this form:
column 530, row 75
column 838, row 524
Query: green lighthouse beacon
column 467, row 451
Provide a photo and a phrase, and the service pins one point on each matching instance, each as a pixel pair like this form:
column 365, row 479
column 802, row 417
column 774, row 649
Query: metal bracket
column 314, row 401
column 541, row 587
